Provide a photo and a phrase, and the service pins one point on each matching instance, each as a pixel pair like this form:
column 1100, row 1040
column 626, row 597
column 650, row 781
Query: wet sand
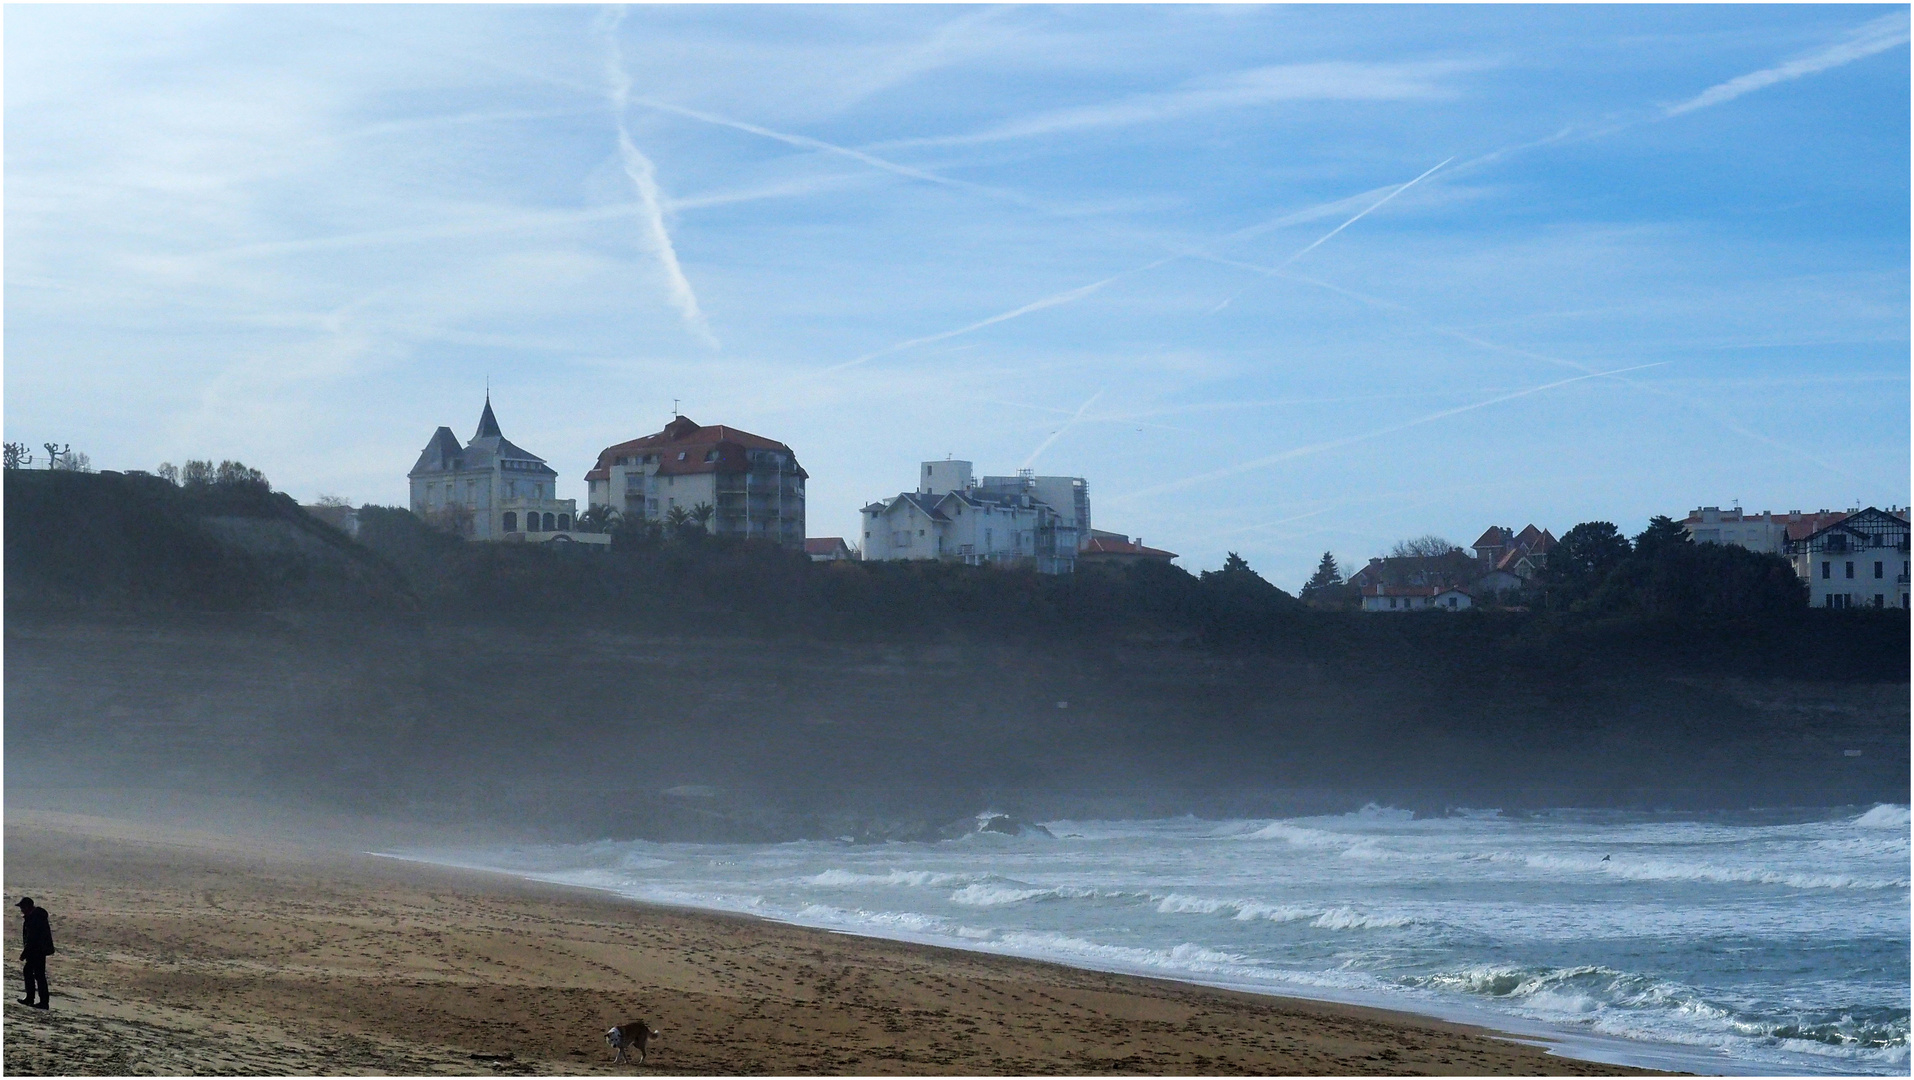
column 184, row 952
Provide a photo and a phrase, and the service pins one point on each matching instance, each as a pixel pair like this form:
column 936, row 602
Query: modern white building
column 490, row 489
column 951, row 517
column 1766, row 532
column 1859, row 560
column 753, row 485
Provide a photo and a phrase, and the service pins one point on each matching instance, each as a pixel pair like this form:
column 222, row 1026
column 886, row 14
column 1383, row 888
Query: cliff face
column 166, row 644
column 579, row 733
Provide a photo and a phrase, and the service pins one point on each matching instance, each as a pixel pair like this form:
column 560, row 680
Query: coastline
column 193, row 952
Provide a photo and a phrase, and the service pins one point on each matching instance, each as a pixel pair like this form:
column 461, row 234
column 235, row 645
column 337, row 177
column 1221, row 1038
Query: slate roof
column 488, row 448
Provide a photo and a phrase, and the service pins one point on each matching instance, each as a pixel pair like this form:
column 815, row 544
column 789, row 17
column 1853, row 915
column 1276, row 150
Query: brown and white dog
column 628, row 1034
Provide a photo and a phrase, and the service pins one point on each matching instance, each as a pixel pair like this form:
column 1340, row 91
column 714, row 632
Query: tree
column 1428, row 546
column 702, row 514
column 168, row 472
column 603, row 518
column 451, row 518
column 232, row 474
column 1326, row 588
column 339, row 501
column 1233, row 564
column 73, row 461
column 1579, row 561
column 18, row 456
column 1663, row 531
column 196, row 474
column 56, row 452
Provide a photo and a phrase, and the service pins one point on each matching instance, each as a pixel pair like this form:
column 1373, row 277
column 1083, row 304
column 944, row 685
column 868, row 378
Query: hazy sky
column 1275, row 280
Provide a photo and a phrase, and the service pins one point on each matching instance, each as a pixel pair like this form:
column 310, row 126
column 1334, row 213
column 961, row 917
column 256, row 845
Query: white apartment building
column 951, row 517
column 490, row 489
column 1859, row 560
column 753, row 486
column 1766, row 531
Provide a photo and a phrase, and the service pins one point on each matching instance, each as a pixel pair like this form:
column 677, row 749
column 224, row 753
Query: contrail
column 1349, row 440
column 1360, row 214
column 1728, row 422
column 644, row 178
column 1870, row 38
column 1055, row 300
column 1058, row 434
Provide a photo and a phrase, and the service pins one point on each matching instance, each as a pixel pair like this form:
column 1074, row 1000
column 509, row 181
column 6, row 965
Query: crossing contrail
column 1349, row 440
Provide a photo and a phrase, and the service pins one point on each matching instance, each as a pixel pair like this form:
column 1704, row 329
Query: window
column 681, row 455
column 1879, row 600
column 564, row 522
column 1824, row 569
column 510, row 522
column 1392, row 603
column 550, row 522
column 1877, row 573
column 1850, row 569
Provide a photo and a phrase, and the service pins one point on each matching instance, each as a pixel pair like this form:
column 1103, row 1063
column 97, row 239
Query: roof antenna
column 674, row 408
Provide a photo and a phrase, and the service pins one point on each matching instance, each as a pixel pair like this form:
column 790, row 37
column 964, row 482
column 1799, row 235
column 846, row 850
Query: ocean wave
column 1346, row 918
column 1884, row 816
column 1668, row 870
column 1331, row 918
column 914, row 878
column 995, row 894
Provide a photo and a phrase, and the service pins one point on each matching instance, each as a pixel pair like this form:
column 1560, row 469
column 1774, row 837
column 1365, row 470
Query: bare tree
column 18, row 456
column 1423, row 547
column 168, row 472
column 73, row 461
column 56, row 451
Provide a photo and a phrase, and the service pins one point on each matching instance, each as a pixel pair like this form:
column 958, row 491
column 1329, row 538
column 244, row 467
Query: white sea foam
column 1885, row 816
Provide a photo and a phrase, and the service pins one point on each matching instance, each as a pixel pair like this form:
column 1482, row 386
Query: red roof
column 824, row 545
column 1106, row 545
column 1493, row 536
column 685, row 447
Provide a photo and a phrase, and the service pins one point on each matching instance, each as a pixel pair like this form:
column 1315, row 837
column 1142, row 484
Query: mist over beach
column 959, row 540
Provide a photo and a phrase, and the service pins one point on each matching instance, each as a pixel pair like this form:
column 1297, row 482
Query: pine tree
column 1327, row 574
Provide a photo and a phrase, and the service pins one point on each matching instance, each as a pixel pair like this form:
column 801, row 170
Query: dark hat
column 25, row 901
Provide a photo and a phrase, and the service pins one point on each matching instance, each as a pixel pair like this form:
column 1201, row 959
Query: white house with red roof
column 753, row 485
column 1860, row 559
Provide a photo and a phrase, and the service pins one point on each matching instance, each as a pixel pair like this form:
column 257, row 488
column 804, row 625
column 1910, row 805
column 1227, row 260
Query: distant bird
column 1605, row 858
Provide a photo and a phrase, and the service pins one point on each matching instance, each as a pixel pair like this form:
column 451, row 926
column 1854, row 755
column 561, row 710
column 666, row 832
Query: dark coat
column 39, row 935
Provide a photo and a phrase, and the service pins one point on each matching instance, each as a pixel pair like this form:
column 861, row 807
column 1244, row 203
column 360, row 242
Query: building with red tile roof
column 753, row 485
column 1115, row 549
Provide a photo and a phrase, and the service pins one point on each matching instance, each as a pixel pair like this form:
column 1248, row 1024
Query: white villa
column 1003, row 521
column 1858, row 560
column 489, row 489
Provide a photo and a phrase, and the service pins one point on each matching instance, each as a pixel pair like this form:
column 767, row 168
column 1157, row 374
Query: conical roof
column 488, row 424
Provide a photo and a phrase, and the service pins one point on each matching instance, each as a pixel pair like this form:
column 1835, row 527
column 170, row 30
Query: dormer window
column 681, row 455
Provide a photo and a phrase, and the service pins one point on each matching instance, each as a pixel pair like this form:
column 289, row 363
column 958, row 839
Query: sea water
column 1712, row 944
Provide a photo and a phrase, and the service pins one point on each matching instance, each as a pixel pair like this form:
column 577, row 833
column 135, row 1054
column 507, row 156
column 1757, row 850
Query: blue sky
column 1275, row 280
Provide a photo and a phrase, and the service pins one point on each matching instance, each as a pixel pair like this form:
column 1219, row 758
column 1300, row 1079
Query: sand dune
column 186, row 952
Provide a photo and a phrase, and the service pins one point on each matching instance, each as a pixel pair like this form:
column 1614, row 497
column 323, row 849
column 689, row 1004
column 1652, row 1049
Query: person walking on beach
column 39, row 946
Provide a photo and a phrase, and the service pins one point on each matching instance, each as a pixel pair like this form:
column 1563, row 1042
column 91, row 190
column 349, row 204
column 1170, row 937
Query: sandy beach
column 186, row 952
